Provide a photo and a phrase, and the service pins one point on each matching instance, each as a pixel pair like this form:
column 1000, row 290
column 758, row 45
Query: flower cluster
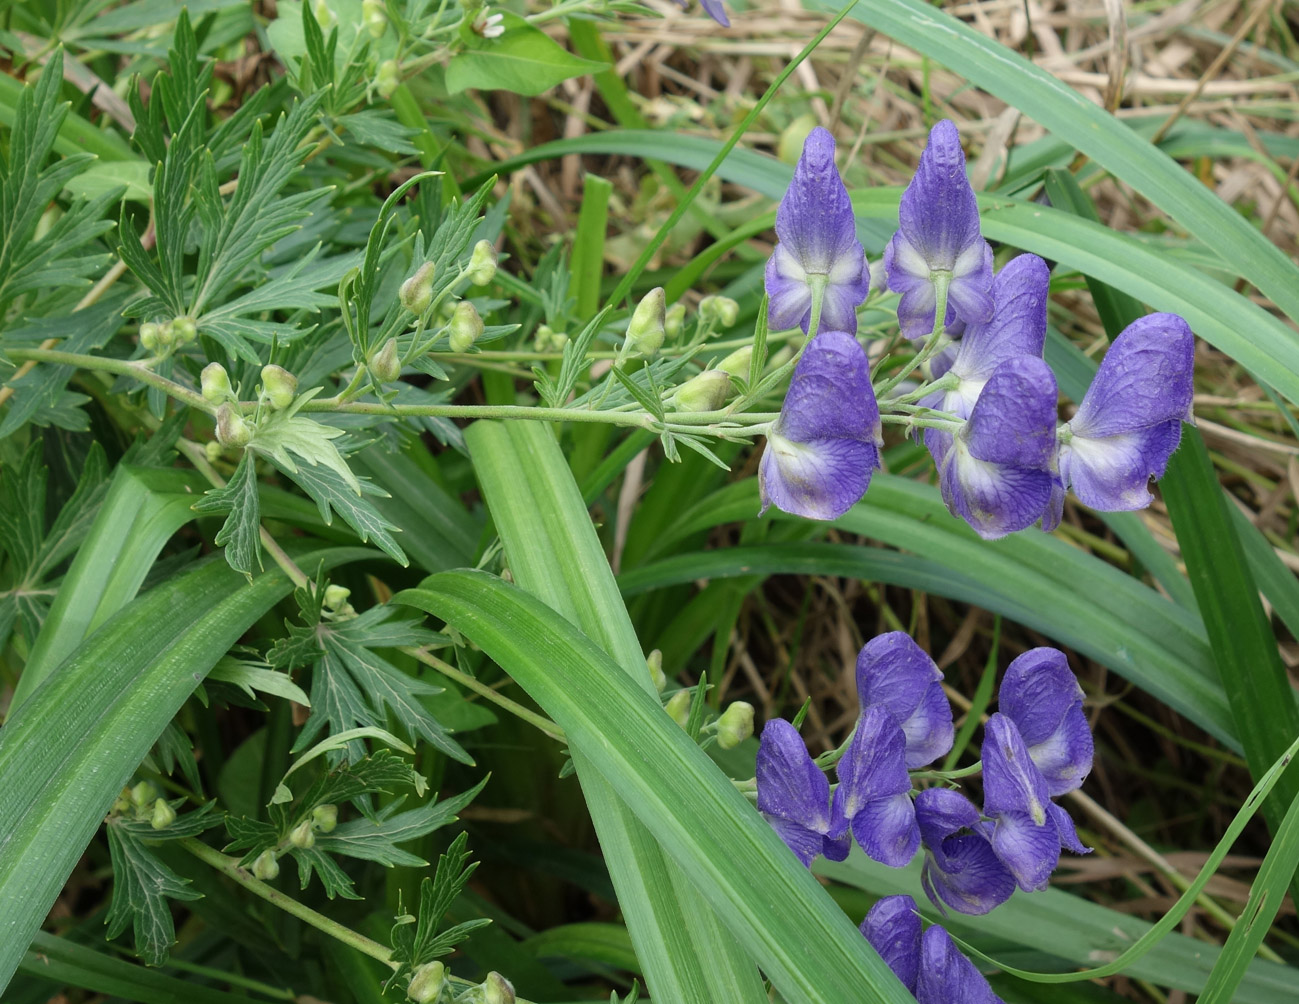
column 987, row 403
column 1036, row 747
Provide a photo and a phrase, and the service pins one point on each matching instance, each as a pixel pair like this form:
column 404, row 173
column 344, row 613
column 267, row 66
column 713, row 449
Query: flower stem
column 933, row 343
column 478, row 687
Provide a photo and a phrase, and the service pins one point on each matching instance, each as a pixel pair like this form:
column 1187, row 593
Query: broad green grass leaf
column 605, row 943
column 787, row 922
column 524, row 60
column 107, row 704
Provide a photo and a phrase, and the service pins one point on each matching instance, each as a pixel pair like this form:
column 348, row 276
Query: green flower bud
column 266, row 867
column 336, row 596
column 231, row 429
column 163, row 815
column 387, row 78
column 674, row 321
column 427, row 983
column 498, row 989
column 149, row 336
column 482, row 264
column 184, row 329
column 722, row 309
column 325, row 817
column 142, row 794
column 654, row 663
column 465, row 327
column 417, row 292
column 735, row 725
column 303, row 835
column 123, row 803
column 374, row 17
column 166, row 335
column 542, row 338
column 384, row 364
column 279, row 386
column 324, row 15
column 215, row 383
column 213, row 450
column 645, row 331
column 678, row 707
column 705, row 392
column 789, row 147
column 738, row 362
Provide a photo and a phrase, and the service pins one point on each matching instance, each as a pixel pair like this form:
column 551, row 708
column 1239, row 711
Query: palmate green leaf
column 141, row 887
column 108, row 702
column 250, row 677
column 421, row 942
column 332, row 494
column 239, row 534
column 281, row 433
column 524, row 60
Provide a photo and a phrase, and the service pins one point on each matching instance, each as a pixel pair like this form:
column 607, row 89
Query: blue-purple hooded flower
column 794, row 795
column 1130, row 419
column 824, row 446
column 873, row 799
column 892, row 926
column 817, row 237
column 961, row 871
column 1024, row 833
column 716, row 10
column 1017, row 328
column 996, row 471
column 1040, row 694
column 938, row 231
column 894, row 671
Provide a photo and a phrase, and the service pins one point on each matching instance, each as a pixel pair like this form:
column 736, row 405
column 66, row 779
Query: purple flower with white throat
column 961, row 870
column 1130, row 419
column 1017, row 328
column 996, row 470
column 818, row 244
column 930, row 966
column 1024, row 833
column 892, row 670
column 1040, row 694
column 794, row 795
column 938, row 234
column 824, row 446
column 874, row 794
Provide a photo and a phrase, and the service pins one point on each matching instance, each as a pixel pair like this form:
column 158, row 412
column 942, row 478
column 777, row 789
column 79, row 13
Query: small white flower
column 489, row 25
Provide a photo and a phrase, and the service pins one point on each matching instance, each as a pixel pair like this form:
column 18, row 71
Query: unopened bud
column 704, row 392
column 465, row 327
column 149, row 336
column 416, row 293
column 266, row 867
column 213, row 450
column 789, row 147
column 738, row 362
column 678, row 707
column 384, row 364
column 387, row 78
column 184, row 329
column 674, row 321
column 735, row 725
column 374, row 17
column 645, row 331
column 163, row 815
column 427, row 983
column 722, row 309
column 482, row 264
column 325, row 817
column 336, row 596
column 324, row 15
column 231, row 429
column 303, row 835
column 497, row 989
column 166, row 335
column 142, row 794
column 123, row 803
column 215, row 384
column 279, row 385
column 654, row 663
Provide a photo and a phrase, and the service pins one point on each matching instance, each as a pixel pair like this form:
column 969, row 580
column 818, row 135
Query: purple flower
column 1130, row 419
column 818, row 238
column 874, row 794
column 822, row 449
column 894, row 671
column 1024, row 834
column 938, row 231
column 996, row 470
column 893, row 928
column 961, row 870
column 1041, row 696
column 928, row 965
column 715, row 10
column 794, row 795
column 1017, row 328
